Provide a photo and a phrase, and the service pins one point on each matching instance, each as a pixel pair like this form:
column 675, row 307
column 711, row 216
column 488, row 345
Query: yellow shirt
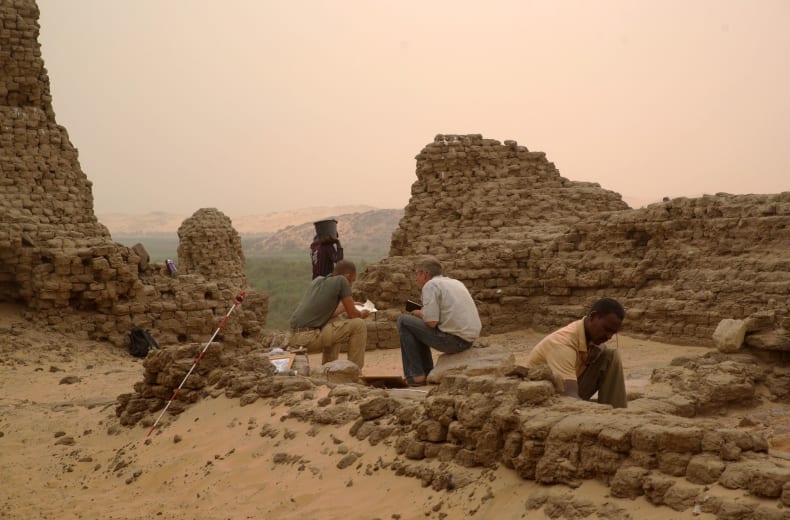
column 564, row 351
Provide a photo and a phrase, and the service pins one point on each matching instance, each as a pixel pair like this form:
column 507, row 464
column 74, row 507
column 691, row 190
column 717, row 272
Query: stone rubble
column 667, row 446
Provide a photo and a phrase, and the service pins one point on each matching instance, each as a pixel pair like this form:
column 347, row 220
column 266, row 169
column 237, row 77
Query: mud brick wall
column 482, row 207
column 470, row 189
column 487, row 420
column 682, row 266
column 206, row 247
column 59, row 261
column 536, row 250
column 484, row 420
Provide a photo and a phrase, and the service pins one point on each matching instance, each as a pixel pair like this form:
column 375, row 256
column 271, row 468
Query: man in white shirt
column 448, row 321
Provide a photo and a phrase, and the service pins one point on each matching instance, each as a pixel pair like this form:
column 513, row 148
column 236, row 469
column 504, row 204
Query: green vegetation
column 285, row 279
column 284, row 276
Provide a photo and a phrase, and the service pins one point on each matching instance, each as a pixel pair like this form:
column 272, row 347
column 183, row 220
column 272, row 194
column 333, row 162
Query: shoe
column 414, row 384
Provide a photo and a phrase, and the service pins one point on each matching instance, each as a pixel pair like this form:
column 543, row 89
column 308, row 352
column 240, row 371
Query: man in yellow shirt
column 578, row 355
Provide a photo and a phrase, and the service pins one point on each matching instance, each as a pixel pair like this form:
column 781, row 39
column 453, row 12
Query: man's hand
column 351, row 309
column 418, row 313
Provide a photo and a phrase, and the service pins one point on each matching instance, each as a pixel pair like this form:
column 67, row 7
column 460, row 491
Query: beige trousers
column 605, row 376
column 332, row 336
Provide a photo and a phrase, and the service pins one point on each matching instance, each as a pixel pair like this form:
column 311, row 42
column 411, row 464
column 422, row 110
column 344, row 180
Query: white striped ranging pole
column 237, row 300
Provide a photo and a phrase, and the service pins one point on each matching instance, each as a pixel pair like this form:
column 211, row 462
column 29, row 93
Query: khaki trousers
column 604, row 374
column 331, row 337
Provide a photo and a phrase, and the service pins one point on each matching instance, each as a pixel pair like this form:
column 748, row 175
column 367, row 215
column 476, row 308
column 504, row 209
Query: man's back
column 320, row 301
column 560, row 351
column 448, row 302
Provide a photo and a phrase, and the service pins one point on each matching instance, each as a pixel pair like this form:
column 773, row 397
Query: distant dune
column 161, row 222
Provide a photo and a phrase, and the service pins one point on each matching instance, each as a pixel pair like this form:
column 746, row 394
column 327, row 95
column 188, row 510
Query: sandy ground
column 63, row 454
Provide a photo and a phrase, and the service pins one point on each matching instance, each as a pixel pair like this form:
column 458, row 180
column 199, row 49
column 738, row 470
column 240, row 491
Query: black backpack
column 140, row 342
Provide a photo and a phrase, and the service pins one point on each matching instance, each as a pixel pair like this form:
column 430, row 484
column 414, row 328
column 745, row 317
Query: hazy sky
column 261, row 106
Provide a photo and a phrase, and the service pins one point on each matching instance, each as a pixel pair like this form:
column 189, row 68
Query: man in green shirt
column 315, row 324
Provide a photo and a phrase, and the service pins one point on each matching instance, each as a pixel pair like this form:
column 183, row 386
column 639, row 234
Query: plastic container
column 301, row 365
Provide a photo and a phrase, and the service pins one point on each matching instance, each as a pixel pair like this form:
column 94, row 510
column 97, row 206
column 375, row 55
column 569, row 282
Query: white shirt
column 448, row 302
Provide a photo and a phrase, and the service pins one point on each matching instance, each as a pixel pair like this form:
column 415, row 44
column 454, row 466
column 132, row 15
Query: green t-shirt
column 320, row 301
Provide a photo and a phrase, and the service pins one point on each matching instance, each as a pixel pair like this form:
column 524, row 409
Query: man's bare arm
column 347, row 305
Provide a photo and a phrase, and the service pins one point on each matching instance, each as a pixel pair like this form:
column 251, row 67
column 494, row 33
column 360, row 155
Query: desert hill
column 163, row 222
column 364, row 231
column 361, row 232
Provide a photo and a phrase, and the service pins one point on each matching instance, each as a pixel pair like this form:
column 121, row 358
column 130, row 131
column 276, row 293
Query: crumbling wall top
column 211, row 247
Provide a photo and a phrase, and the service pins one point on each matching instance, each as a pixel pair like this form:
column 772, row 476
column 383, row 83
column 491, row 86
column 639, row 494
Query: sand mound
column 64, row 455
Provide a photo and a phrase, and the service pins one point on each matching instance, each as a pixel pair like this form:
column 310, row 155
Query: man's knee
column 407, row 321
column 357, row 326
column 612, row 359
column 400, row 323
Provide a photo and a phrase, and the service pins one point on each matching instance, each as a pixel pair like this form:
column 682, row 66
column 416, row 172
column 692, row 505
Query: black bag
column 140, row 342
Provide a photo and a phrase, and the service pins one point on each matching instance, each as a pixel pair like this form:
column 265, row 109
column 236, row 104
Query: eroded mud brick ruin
column 61, row 263
column 536, row 249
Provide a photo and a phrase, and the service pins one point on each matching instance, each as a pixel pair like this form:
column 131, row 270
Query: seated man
column 315, row 324
column 448, row 321
column 577, row 354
